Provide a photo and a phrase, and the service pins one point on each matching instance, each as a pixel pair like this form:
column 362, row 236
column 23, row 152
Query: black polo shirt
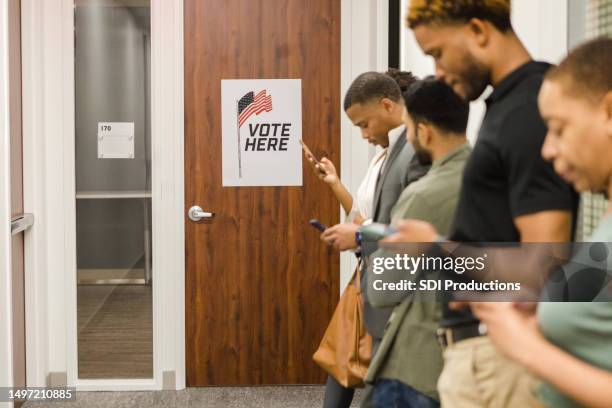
column 506, row 176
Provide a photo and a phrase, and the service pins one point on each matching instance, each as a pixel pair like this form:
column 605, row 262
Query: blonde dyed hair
column 497, row 12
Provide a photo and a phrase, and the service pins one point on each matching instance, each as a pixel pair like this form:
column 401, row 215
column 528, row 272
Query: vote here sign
column 261, row 129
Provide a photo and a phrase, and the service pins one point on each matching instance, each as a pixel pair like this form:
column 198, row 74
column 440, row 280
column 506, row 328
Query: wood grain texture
column 260, row 285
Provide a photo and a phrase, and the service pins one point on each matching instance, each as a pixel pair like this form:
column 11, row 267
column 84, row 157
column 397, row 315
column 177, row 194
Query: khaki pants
column 475, row 374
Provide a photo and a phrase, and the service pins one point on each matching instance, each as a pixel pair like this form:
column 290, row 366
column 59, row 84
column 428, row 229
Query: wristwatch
column 358, row 238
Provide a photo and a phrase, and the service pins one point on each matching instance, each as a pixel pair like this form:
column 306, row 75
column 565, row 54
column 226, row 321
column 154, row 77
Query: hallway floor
column 115, row 331
column 306, row 396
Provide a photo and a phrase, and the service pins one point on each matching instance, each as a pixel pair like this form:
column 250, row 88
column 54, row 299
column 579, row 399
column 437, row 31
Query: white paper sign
column 262, row 126
column 115, row 140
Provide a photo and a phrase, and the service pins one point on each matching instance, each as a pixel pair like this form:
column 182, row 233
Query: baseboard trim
column 169, row 380
column 57, row 379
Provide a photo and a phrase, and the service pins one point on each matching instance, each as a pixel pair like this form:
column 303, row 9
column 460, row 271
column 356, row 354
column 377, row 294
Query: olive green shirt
column 409, row 351
column 583, row 329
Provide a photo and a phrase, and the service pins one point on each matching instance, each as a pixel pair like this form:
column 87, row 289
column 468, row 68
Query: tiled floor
column 208, row 397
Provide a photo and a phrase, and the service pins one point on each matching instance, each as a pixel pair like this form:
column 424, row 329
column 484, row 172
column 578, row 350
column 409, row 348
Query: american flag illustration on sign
column 248, row 105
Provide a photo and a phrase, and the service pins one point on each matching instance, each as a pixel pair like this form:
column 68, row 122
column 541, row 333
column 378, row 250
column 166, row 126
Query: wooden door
column 17, row 247
column 260, row 285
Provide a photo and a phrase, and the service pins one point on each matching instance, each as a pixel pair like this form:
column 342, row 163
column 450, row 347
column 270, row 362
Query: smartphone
column 309, row 154
column 317, row 224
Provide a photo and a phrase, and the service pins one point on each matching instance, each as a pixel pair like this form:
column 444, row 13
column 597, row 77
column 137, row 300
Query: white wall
column 540, row 24
column 543, row 27
column 364, row 39
column 6, row 327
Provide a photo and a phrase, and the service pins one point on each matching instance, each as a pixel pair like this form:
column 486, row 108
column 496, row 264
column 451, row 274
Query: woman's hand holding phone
column 323, row 169
column 326, row 171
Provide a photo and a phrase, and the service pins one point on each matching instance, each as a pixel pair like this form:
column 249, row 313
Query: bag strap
column 357, row 275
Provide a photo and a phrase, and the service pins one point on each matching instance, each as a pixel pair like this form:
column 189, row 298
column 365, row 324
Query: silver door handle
column 21, row 223
column 196, row 213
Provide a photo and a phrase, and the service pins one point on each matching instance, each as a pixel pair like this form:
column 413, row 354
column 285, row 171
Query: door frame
column 49, row 185
column 49, row 191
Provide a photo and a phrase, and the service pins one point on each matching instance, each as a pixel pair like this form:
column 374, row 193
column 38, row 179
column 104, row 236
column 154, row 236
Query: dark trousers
column 336, row 395
column 396, row 394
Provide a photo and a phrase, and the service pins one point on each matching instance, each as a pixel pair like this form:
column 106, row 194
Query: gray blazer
column 401, row 169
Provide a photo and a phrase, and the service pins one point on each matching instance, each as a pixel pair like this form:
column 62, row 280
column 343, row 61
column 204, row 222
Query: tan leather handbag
column 346, row 348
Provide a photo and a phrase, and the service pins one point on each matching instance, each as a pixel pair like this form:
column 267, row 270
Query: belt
column 447, row 336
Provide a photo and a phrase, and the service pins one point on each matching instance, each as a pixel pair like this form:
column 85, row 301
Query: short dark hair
column 497, row 12
column 403, row 79
column 586, row 71
column 432, row 101
column 376, row 85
